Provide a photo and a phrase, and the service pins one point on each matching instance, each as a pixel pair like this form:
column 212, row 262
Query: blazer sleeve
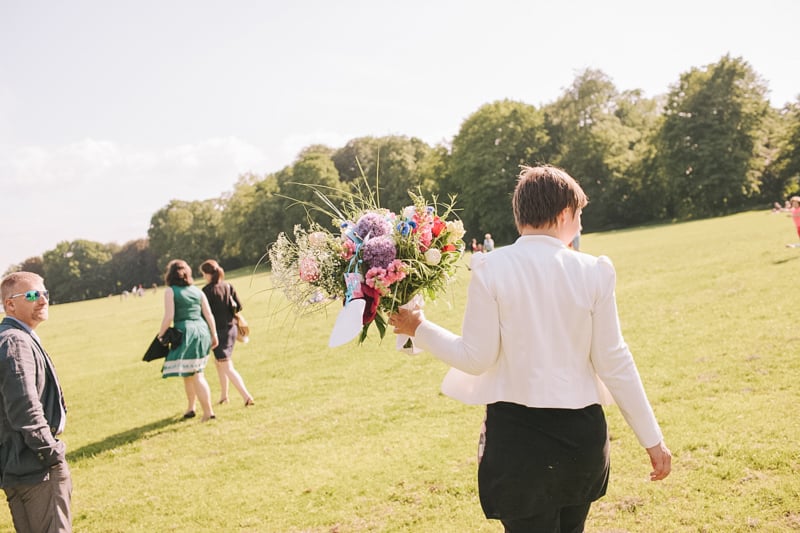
column 613, row 361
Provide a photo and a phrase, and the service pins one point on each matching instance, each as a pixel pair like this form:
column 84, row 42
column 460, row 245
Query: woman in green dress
column 186, row 307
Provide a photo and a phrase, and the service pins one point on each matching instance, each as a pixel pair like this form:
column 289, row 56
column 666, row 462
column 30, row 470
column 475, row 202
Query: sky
column 110, row 110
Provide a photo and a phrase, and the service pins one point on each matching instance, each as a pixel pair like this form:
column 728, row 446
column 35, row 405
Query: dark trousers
column 565, row 520
column 43, row 507
column 542, row 465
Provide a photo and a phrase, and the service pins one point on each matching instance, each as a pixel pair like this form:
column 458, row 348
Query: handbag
column 242, row 329
column 159, row 348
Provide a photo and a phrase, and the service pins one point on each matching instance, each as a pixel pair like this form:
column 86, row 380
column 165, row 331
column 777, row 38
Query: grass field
column 359, row 439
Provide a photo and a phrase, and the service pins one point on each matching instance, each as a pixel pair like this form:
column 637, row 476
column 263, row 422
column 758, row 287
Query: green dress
column 191, row 356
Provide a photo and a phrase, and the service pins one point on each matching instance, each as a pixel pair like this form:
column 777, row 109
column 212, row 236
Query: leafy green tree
column 78, row 270
column 32, row 264
column 434, row 170
column 313, row 168
column 251, row 218
column 358, row 159
column 632, row 193
column 396, row 164
column 787, row 166
column 266, row 218
column 485, row 162
column 133, row 264
column 709, row 138
column 186, row 230
column 600, row 136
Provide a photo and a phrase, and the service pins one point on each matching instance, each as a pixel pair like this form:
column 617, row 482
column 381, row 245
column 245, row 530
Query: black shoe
column 189, row 414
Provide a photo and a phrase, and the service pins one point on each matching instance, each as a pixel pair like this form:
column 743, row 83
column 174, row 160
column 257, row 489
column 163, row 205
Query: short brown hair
column 542, row 193
column 178, row 273
column 10, row 282
column 213, row 269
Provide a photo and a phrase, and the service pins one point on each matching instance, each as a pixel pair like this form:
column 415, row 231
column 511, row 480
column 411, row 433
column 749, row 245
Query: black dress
column 224, row 302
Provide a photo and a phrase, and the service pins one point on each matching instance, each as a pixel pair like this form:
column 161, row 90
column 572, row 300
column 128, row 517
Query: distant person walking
column 33, row 465
column 794, row 212
column 224, row 303
column 488, row 243
column 187, row 308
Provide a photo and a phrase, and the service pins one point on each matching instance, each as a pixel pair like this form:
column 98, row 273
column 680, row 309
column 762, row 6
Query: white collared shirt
column 541, row 329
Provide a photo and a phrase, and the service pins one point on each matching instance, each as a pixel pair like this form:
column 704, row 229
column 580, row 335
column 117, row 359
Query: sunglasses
column 32, row 296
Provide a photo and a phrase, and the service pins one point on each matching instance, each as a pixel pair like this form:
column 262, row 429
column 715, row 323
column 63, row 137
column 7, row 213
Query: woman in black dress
column 224, row 304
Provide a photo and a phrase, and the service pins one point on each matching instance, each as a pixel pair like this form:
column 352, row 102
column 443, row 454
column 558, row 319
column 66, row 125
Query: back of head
column 542, row 193
column 213, row 269
column 178, row 273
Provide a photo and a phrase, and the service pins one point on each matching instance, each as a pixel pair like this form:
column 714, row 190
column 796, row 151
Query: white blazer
column 541, row 329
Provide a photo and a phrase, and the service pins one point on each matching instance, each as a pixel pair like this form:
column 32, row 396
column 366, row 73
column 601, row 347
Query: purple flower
column 374, row 225
column 380, row 251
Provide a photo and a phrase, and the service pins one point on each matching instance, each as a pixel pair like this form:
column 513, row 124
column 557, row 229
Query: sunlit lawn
column 359, row 438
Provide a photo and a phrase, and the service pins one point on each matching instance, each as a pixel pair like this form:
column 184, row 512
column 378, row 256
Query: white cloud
column 102, row 191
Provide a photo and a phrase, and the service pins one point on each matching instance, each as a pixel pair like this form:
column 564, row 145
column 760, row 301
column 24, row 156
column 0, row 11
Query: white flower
column 455, row 231
column 409, row 212
column 317, row 239
column 433, row 256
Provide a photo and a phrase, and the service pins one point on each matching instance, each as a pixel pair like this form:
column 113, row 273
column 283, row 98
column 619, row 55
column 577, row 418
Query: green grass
column 359, row 439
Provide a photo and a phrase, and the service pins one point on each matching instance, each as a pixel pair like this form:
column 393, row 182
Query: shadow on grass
column 121, row 439
column 781, row 261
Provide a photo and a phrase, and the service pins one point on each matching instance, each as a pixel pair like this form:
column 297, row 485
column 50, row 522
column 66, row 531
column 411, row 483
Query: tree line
column 711, row 146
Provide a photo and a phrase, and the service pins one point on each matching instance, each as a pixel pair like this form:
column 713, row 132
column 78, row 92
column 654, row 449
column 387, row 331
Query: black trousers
column 569, row 519
column 538, row 464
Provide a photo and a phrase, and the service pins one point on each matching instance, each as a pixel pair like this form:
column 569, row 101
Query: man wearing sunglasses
column 33, row 468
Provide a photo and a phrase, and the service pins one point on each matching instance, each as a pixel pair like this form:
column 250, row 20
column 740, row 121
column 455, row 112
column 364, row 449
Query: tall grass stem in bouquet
column 371, row 259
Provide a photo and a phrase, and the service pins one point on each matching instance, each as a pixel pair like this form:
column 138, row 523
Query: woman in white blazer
column 542, row 348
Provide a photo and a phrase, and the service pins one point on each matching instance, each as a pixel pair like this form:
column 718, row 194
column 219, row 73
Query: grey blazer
column 31, row 408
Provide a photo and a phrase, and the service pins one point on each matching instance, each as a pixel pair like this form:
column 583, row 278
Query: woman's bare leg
column 203, row 393
column 231, row 374
column 223, row 380
column 191, row 395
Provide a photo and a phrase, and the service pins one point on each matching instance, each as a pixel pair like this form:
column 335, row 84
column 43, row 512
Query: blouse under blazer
column 541, row 329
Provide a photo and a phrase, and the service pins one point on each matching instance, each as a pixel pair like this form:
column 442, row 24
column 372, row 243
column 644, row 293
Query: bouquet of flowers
column 374, row 260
